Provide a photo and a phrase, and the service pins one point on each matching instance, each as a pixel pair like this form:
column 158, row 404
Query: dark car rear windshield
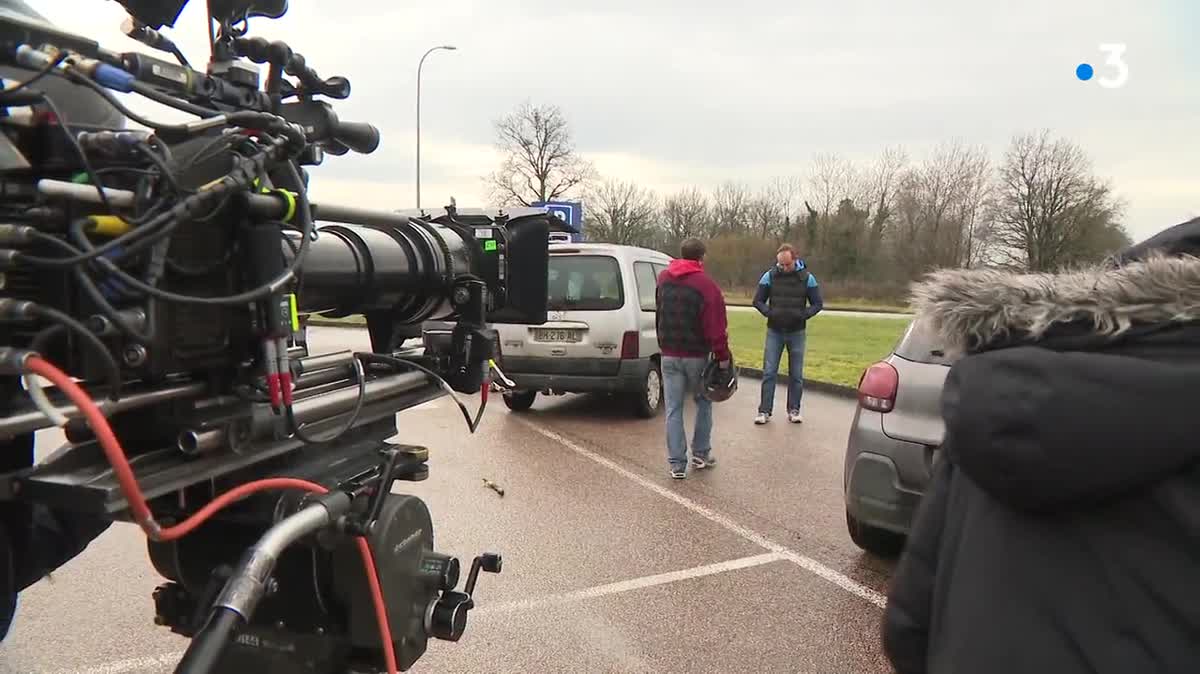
column 920, row 344
column 585, row 283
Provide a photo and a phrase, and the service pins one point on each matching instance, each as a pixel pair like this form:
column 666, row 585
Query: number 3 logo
column 1116, row 54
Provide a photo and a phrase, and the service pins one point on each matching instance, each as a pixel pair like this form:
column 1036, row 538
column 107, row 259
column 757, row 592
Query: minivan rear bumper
column 577, row 375
column 875, row 493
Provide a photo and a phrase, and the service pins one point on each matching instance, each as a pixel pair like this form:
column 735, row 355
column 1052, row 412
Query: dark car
column 896, row 434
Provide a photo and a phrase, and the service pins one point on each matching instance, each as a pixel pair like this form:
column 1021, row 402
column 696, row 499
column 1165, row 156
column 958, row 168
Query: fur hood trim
column 971, row 309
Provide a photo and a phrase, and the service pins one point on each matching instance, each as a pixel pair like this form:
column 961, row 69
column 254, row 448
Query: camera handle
column 235, row 606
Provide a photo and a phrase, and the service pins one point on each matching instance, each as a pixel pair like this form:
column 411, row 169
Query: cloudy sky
column 675, row 94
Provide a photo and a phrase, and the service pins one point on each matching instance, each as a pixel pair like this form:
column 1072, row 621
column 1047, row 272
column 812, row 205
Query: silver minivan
column 600, row 334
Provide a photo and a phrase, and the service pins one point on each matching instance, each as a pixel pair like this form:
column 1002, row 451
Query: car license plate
column 558, row 335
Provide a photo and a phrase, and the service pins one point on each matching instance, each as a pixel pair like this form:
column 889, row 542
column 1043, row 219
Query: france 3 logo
column 1116, row 70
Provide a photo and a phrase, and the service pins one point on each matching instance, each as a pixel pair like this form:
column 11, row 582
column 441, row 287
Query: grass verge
column 839, row 304
column 838, row 348
column 837, row 351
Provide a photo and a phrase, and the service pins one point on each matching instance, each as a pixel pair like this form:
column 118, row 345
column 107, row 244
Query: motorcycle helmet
column 719, row 385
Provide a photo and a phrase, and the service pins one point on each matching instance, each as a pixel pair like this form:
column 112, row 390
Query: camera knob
column 444, row 568
column 447, row 617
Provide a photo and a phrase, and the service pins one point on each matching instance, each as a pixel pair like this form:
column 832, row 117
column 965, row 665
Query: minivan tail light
column 629, row 345
column 877, row 388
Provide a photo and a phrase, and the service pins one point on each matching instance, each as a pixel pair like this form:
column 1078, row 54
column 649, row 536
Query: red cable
column 141, row 510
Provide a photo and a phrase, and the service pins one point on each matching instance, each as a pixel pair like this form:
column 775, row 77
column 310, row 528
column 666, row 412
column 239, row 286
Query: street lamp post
column 419, row 66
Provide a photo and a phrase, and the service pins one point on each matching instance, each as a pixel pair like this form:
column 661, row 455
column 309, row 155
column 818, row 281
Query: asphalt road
column 609, row 565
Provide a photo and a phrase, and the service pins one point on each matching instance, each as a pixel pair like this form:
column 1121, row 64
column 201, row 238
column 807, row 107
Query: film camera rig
column 157, row 278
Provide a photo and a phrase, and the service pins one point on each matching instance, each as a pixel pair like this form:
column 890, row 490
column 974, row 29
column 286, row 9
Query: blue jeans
column 681, row 379
column 772, row 354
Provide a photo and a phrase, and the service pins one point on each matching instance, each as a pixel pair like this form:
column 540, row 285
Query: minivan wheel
column 879, row 542
column 648, row 401
column 519, row 401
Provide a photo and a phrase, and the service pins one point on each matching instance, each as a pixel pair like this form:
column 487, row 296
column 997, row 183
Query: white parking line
column 168, row 660
column 806, row 563
column 150, row 663
column 632, row 584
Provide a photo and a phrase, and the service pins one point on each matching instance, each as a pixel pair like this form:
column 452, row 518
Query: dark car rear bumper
column 876, row 493
column 577, row 375
column 875, row 497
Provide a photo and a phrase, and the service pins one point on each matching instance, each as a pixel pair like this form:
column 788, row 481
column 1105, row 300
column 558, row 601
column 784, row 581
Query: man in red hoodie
column 691, row 325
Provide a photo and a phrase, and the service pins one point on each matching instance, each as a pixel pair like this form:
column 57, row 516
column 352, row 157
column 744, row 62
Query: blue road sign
column 570, row 212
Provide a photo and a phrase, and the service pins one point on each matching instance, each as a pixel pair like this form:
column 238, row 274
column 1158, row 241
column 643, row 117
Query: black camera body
column 170, row 272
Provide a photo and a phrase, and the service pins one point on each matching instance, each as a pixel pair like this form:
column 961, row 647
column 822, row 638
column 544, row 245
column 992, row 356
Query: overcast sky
column 677, row 94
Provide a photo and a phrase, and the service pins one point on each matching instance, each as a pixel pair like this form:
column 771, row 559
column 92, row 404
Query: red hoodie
column 690, row 273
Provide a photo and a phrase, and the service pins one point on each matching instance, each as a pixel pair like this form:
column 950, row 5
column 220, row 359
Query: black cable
column 37, row 76
column 97, row 297
column 289, row 273
column 185, row 270
column 126, row 169
column 171, row 102
column 204, row 652
column 401, row 362
column 110, row 363
column 297, row 431
column 74, row 142
column 179, row 55
column 162, row 225
column 41, row 341
column 120, row 107
column 161, row 164
column 162, row 147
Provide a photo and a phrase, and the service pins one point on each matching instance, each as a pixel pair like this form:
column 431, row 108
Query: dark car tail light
column 629, row 345
column 877, row 388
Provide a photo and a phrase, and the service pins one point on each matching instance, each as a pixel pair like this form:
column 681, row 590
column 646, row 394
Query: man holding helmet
column 692, row 332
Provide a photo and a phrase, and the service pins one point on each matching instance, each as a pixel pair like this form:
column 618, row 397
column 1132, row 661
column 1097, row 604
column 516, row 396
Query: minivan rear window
column 920, row 344
column 585, row 283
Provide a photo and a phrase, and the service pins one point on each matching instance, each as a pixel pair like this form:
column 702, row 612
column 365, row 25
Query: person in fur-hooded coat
column 1061, row 529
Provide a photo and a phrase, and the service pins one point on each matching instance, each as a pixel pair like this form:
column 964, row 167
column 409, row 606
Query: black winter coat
column 1061, row 529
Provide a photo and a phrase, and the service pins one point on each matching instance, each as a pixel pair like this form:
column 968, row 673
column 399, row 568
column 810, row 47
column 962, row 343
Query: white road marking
column 631, row 584
column 145, row 664
column 806, row 563
column 152, row 663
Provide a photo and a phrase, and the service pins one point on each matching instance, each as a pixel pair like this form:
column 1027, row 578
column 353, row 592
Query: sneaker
column 795, row 417
column 702, row 462
column 678, row 473
column 762, row 419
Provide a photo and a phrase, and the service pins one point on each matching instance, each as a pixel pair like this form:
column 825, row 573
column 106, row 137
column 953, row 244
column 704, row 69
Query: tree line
column 866, row 228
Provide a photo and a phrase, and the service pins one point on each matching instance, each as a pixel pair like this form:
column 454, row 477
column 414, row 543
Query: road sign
column 570, row 212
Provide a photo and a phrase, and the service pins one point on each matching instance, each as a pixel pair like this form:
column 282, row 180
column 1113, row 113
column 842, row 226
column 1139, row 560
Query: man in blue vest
column 788, row 295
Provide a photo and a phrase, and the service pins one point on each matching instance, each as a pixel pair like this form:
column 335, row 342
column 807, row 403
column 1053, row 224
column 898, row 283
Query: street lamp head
column 449, row 46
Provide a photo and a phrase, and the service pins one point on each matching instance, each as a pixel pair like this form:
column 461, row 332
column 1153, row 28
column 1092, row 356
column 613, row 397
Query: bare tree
column 765, row 214
column 830, row 181
column 1050, row 209
column 623, row 213
column 785, row 193
column 685, row 214
column 975, row 208
column 940, row 208
column 539, row 158
column 880, row 186
column 731, row 209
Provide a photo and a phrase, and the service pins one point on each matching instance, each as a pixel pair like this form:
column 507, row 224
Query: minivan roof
column 610, row 248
